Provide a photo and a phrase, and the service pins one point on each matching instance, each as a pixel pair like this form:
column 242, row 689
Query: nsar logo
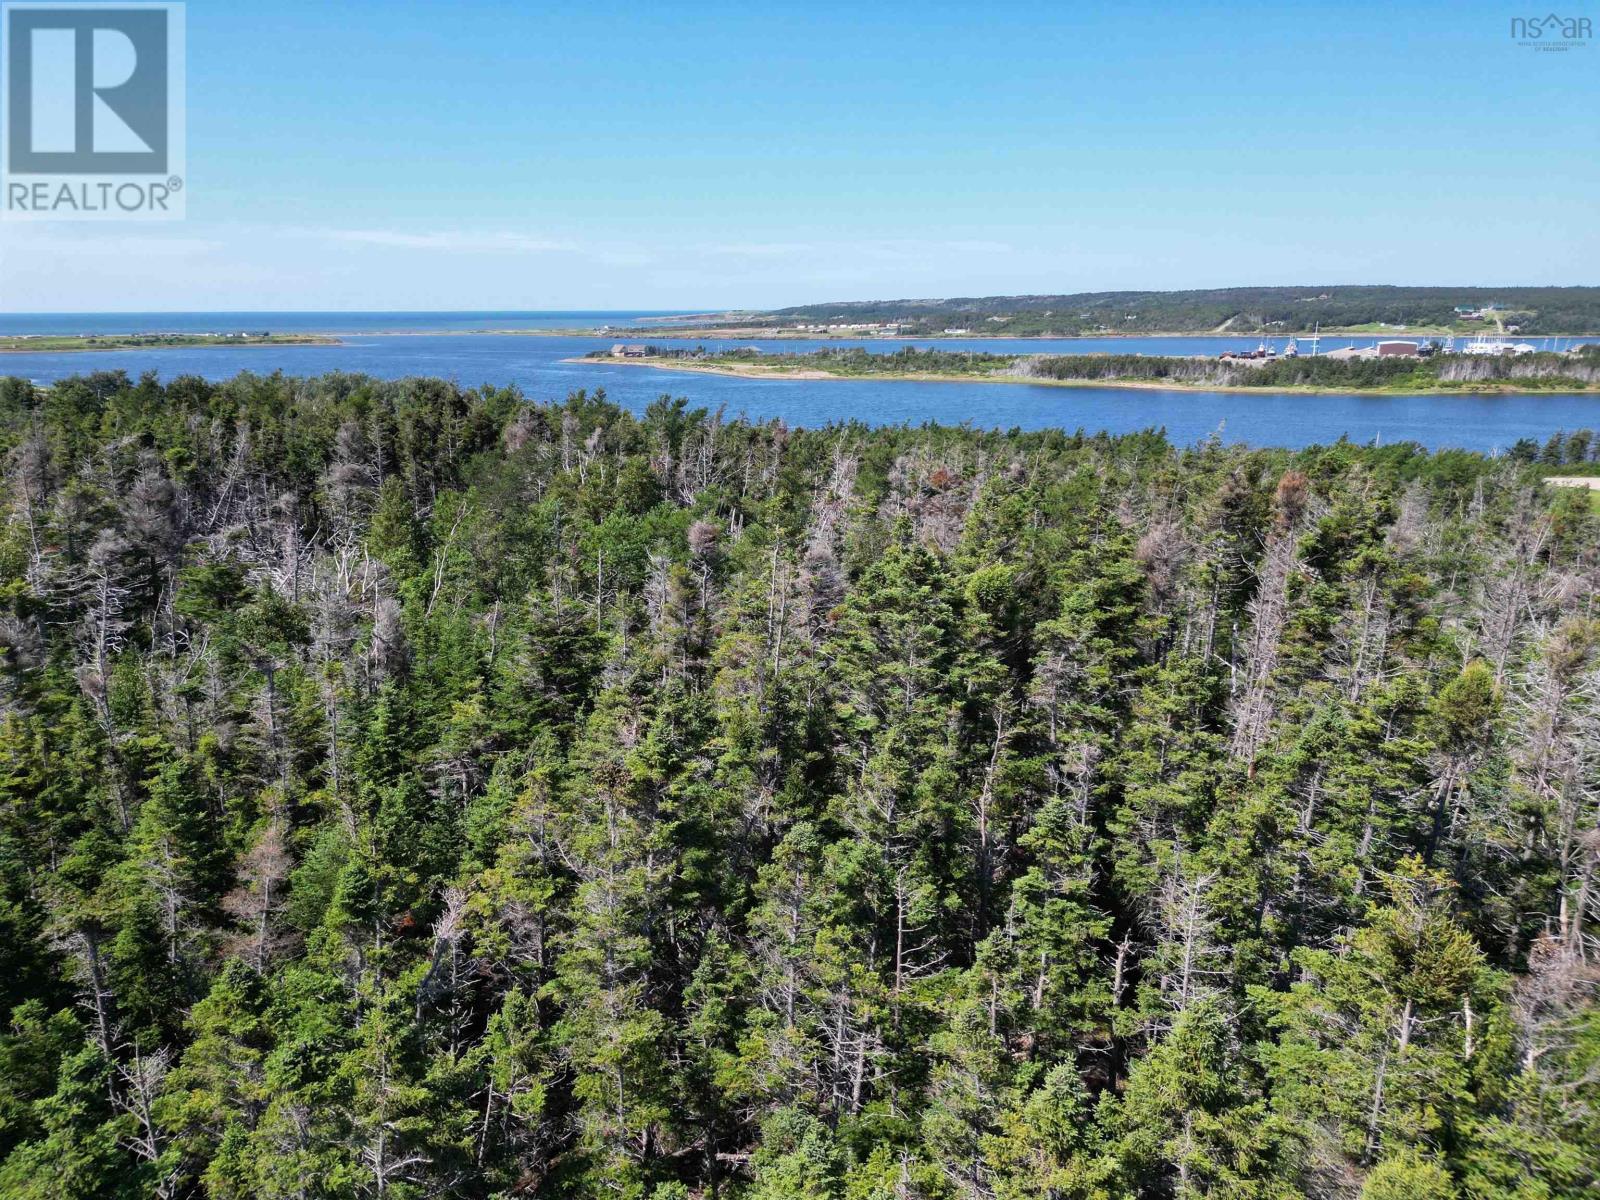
column 1551, row 32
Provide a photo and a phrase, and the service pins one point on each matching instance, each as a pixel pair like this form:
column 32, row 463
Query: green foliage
column 1539, row 371
column 408, row 791
column 1240, row 310
column 1408, row 1177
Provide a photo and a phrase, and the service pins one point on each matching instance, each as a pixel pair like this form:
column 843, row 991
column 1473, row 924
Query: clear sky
column 465, row 154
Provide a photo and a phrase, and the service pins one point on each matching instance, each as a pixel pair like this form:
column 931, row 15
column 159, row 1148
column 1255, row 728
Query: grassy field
column 1576, row 475
column 1586, row 476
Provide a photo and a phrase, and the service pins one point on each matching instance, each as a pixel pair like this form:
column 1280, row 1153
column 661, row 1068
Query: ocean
column 398, row 345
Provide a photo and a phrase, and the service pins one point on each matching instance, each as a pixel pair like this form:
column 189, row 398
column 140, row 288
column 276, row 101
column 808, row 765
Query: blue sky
column 467, row 154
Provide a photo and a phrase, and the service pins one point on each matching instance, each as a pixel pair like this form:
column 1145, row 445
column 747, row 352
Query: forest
column 1539, row 371
column 412, row 791
column 1238, row 310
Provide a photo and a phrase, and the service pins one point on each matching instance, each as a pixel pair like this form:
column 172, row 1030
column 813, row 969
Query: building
column 1398, row 349
column 629, row 350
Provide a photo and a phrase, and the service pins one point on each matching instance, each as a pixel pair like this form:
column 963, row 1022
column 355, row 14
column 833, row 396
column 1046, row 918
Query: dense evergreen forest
column 1280, row 310
column 408, row 791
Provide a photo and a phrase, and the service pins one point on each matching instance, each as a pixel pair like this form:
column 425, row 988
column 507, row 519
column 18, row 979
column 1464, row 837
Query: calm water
column 534, row 364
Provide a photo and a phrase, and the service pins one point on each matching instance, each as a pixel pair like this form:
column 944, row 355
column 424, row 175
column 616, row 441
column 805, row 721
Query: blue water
column 534, row 364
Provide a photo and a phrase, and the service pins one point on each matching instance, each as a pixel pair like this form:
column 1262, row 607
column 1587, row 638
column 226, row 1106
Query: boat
column 1483, row 344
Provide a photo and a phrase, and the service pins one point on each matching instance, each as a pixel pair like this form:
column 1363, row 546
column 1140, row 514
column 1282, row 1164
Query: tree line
column 1532, row 310
column 1539, row 371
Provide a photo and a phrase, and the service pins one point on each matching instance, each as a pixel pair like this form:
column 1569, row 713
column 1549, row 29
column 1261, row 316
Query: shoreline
column 208, row 344
column 757, row 333
column 754, row 371
column 745, row 334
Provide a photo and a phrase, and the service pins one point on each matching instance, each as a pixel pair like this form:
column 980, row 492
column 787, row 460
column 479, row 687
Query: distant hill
column 1264, row 310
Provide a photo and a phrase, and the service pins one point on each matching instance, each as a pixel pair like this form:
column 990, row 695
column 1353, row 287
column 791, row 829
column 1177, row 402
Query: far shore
column 767, row 333
column 761, row 371
column 16, row 345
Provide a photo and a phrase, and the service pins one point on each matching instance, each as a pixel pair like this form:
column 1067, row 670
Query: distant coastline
column 793, row 373
column 13, row 344
column 110, row 343
column 782, row 334
column 1273, row 312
